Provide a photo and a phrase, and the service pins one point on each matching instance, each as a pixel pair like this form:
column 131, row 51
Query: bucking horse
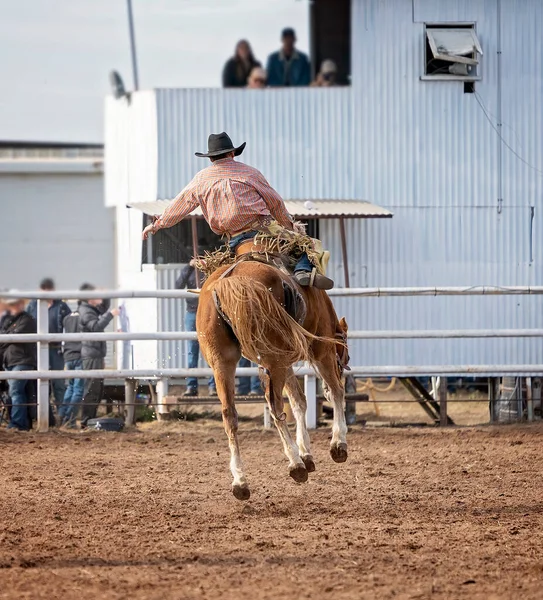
column 254, row 308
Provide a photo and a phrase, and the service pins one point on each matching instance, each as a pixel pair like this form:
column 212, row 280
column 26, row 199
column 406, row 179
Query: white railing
column 43, row 338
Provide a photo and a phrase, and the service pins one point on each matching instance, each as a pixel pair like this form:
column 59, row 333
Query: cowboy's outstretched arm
column 274, row 202
column 183, row 204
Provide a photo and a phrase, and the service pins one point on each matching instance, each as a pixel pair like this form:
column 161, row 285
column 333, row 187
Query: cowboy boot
column 313, row 279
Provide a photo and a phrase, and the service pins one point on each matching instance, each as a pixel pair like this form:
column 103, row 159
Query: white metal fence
column 43, row 338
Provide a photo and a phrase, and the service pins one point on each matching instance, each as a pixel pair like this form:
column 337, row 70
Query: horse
column 244, row 310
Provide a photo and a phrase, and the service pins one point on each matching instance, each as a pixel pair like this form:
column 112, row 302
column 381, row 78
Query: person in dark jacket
column 18, row 357
column 187, row 280
column 72, row 362
column 238, row 68
column 288, row 66
column 58, row 311
column 94, row 316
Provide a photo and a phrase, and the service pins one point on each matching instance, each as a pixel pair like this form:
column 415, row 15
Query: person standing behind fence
column 94, row 316
column 72, row 362
column 288, row 66
column 187, row 279
column 57, row 312
column 238, row 68
column 18, row 357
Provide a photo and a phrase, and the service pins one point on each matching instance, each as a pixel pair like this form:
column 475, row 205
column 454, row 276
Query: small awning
column 303, row 209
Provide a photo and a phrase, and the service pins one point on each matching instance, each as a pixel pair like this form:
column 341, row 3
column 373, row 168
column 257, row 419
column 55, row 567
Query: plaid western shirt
column 233, row 197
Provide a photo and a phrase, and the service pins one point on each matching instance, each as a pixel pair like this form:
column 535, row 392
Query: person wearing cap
column 257, row 79
column 57, row 311
column 237, row 202
column 288, row 66
column 18, row 357
column 327, row 75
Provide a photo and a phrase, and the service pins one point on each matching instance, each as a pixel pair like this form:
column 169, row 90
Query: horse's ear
column 343, row 324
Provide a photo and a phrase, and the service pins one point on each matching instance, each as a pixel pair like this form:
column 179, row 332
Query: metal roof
column 305, row 209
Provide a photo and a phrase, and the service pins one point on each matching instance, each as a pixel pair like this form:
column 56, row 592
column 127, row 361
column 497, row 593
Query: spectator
column 238, row 68
column 257, row 78
column 187, row 280
column 288, row 66
column 248, row 386
column 72, row 361
column 58, row 311
column 94, row 316
column 327, row 75
column 18, row 357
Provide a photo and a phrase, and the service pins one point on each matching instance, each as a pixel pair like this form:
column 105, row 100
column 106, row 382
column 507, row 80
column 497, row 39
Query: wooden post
column 344, row 252
column 194, row 228
column 43, row 365
column 529, row 399
column 443, row 421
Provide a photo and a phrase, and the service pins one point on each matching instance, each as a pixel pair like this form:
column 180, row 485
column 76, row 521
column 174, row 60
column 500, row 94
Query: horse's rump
column 262, row 326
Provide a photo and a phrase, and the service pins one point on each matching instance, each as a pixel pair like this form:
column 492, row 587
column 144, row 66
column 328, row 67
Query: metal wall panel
column 299, row 138
column 171, row 314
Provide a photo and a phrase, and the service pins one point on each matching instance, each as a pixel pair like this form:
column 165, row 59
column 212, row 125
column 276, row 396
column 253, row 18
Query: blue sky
column 56, row 54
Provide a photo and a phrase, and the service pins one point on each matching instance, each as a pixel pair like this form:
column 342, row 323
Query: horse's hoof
column 241, row 492
column 298, row 473
column 339, row 453
column 309, row 463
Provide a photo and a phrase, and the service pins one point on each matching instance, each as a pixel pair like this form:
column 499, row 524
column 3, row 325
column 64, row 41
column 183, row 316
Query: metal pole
column 43, row 366
column 443, row 421
column 529, row 399
column 161, row 393
column 310, row 384
column 194, row 229
column 344, row 252
column 133, row 44
column 129, row 400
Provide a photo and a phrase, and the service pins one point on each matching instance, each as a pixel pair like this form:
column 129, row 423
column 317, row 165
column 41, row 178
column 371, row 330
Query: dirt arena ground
column 414, row 513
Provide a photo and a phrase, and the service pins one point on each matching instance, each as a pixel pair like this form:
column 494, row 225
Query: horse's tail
column 261, row 325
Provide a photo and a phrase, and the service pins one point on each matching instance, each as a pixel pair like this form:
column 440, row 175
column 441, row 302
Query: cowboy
column 237, row 202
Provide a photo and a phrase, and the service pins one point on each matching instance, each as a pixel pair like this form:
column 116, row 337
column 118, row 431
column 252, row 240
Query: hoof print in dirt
column 339, row 453
column 299, row 474
column 241, row 492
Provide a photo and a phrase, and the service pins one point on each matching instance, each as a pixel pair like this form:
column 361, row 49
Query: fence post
column 43, row 365
column 129, row 401
column 161, row 393
column 310, row 384
column 443, row 419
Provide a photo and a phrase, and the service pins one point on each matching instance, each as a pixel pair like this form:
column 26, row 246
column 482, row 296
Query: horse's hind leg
column 335, row 393
column 298, row 403
column 224, row 363
column 274, row 396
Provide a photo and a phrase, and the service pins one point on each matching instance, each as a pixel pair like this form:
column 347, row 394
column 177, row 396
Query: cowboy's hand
column 148, row 230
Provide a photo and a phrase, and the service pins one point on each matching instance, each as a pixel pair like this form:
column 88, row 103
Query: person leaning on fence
column 57, row 311
column 72, row 362
column 257, row 79
column 94, row 316
column 187, row 280
column 18, row 357
column 327, row 76
column 237, row 69
column 288, row 66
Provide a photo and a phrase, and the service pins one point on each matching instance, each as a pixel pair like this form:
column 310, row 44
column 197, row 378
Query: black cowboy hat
column 220, row 143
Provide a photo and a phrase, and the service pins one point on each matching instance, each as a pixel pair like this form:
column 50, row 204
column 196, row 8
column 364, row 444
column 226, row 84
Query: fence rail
column 43, row 338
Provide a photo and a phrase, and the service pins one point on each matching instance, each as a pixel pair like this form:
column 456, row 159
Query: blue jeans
column 73, row 396
column 56, row 363
column 248, row 384
column 194, row 353
column 304, row 264
column 19, row 400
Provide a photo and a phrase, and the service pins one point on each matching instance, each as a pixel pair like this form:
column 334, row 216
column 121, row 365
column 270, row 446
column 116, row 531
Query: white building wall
column 55, row 225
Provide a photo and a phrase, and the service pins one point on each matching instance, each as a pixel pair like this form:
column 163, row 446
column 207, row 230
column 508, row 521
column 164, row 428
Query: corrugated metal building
column 457, row 158
column 54, row 220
